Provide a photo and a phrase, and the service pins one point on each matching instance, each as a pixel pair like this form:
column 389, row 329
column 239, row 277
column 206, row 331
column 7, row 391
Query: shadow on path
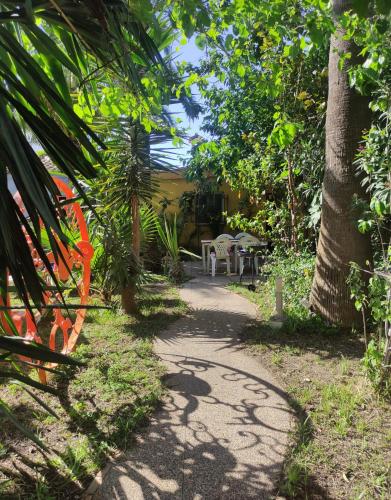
column 222, row 431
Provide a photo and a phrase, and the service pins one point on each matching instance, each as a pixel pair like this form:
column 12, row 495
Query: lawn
column 99, row 407
column 341, row 446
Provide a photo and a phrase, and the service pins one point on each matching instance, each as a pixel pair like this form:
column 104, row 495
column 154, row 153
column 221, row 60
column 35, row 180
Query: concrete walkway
column 222, row 431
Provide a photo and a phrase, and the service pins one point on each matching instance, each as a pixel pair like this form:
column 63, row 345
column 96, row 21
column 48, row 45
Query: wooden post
column 279, row 313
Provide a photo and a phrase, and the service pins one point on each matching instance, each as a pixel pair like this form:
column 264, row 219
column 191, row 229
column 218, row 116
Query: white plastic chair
column 241, row 235
column 246, row 242
column 222, row 246
column 227, row 236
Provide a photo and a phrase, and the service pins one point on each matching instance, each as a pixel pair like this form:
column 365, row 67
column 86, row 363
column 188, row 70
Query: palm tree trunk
column 128, row 299
column 339, row 240
column 128, row 293
column 136, row 233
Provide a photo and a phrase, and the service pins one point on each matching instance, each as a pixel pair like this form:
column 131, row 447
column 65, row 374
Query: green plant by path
column 169, row 237
column 373, row 300
column 296, row 270
column 340, row 447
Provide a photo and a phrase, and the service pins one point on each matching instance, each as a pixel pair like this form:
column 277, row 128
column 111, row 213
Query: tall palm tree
column 133, row 157
column 340, row 242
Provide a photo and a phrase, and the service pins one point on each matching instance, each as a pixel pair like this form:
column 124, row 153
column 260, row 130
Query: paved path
column 222, row 431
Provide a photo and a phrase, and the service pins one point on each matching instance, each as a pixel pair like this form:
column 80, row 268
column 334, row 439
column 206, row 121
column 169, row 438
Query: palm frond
column 40, row 42
column 148, row 223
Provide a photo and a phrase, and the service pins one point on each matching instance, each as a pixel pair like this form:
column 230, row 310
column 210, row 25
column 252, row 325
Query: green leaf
column 21, row 346
column 378, row 206
column 241, row 70
column 188, row 25
column 10, row 375
column 200, row 41
column 228, row 41
column 203, row 19
column 40, row 401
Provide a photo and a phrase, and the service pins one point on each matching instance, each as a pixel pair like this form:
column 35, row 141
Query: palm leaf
column 7, row 413
column 35, row 95
column 23, row 347
column 42, row 43
column 148, row 223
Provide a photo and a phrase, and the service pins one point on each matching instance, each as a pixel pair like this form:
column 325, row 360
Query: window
column 209, row 208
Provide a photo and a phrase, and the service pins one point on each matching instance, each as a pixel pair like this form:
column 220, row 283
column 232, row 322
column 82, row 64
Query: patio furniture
column 205, row 251
column 246, row 243
column 222, row 247
column 241, row 235
column 229, row 236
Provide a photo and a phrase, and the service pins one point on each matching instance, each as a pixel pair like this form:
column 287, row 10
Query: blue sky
column 192, row 54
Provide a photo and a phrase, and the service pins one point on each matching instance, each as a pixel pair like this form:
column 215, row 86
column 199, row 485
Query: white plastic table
column 205, row 251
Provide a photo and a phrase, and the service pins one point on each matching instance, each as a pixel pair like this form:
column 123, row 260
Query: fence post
column 279, row 313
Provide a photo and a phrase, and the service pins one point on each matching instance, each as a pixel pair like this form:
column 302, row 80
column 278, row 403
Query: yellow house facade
column 200, row 215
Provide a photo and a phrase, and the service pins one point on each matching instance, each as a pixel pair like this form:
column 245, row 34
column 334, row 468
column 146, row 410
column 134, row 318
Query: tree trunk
column 128, row 294
column 128, row 299
column 339, row 240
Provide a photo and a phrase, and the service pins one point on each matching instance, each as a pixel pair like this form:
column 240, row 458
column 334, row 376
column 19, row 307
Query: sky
column 192, row 54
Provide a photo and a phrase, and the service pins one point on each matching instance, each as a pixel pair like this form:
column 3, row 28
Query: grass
column 341, row 445
column 99, row 408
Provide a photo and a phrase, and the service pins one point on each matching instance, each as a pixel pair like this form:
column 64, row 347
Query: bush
column 374, row 303
column 297, row 271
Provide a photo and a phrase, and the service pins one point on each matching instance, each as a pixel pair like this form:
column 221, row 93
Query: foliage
column 169, row 237
column 373, row 364
column 264, row 84
column 43, row 45
column 133, row 155
column 137, row 148
column 148, row 226
column 296, row 271
column 186, row 204
column 114, row 265
column 47, row 49
column 52, row 53
column 374, row 166
column 374, row 302
column 374, row 161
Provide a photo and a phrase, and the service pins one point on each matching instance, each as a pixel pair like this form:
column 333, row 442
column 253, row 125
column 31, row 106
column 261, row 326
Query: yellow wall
column 171, row 185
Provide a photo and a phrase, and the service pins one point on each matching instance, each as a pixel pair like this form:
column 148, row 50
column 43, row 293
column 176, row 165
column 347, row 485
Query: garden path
column 222, row 431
